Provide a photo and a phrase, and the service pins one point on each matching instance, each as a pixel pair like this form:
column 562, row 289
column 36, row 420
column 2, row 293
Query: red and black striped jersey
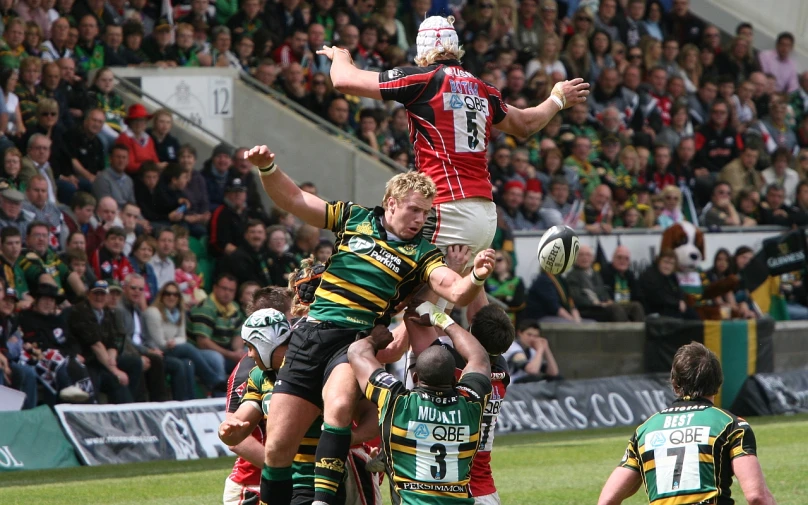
column 450, row 115
column 244, row 472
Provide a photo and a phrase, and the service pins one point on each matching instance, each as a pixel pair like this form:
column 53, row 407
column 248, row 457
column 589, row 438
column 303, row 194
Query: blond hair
column 305, row 270
column 400, row 185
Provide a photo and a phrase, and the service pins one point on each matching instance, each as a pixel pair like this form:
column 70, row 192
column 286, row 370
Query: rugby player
column 451, row 113
column 380, row 258
column 688, row 453
column 430, row 434
column 493, row 329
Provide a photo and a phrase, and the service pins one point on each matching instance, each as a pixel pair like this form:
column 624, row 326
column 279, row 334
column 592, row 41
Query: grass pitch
column 552, row 469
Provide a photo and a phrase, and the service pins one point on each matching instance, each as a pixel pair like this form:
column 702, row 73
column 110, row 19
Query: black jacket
column 246, row 264
column 610, row 277
column 666, row 293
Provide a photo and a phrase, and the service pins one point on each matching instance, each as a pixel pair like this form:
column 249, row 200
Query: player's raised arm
column 525, row 122
column 362, row 354
column 477, row 360
column 458, row 290
column 283, row 191
column 347, row 78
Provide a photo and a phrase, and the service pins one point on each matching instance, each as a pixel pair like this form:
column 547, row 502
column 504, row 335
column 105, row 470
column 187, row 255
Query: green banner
column 33, row 440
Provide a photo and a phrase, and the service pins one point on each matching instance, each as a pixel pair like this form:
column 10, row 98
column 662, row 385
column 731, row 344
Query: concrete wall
column 610, row 349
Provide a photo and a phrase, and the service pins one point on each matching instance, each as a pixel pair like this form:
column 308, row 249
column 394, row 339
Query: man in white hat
column 451, row 113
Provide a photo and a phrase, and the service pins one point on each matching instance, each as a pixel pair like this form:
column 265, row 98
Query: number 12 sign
column 221, row 97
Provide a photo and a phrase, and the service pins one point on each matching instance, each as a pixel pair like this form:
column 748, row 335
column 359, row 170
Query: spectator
column 78, row 98
column 156, row 47
column 145, row 187
column 75, row 258
column 243, row 169
column 87, row 155
column 700, row 103
column 591, row 296
column 108, row 262
column 40, row 206
column 165, row 144
column 55, row 47
column 184, row 53
column 506, row 287
column 46, row 122
column 250, row 260
column 29, row 76
column 781, row 173
column 680, row 127
column 13, row 371
column 558, row 201
column 307, row 238
column 198, row 213
column 621, row 282
column 106, row 214
column 740, row 173
column 37, row 161
column 775, row 129
column 89, row 51
column 323, row 251
column 668, row 299
column 79, row 219
column 165, row 321
column 137, row 141
column 130, row 217
column 683, row 25
column 531, row 216
column 778, row 62
column 114, row 182
column 598, row 213
column 221, row 54
column 717, row 143
column 548, row 300
column 281, row 263
column 189, row 281
column 155, row 364
column 338, row 115
column 579, row 161
column 162, row 262
column 216, row 171
column 512, row 196
column 216, row 324
column 721, row 212
column 104, row 97
column 142, row 252
column 96, row 328
column 672, row 212
column 229, row 220
column 116, row 54
column 12, row 274
column 47, row 348
column 11, row 212
column 11, row 46
column 169, row 198
column 799, row 99
column 500, row 169
column 743, row 255
column 529, row 357
column 133, row 39
column 576, row 58
column 774, row 211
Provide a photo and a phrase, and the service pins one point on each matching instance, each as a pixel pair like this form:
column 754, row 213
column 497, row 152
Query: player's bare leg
column 289, row 417
column 340, row 397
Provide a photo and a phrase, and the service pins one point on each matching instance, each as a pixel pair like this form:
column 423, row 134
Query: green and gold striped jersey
column 260, row 385
column 684, row 453
column 370, row 272
column 430, row 437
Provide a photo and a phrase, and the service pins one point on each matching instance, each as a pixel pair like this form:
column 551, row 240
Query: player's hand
column 430, row 315
column 260, row 156
column 484, row 263
column 457, row 257
column 331, row 51
column 380, row 336
column 231, row 426
column 571, row 92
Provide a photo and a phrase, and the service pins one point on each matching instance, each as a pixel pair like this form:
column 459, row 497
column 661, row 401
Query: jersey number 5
column 469, row 115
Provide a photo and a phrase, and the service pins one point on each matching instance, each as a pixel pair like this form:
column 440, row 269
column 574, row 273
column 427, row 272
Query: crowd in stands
column 109, row 228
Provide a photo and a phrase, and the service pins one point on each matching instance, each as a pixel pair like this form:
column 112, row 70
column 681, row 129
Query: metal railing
column 184, row 120
column 320, row 122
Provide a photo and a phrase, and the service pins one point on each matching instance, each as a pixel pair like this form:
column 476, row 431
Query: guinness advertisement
column 583, row 404
column 112, row 434
column 785, row 253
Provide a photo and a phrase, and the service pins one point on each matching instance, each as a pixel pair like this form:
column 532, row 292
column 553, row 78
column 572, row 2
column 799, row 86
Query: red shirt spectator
column 137, row 141
column 108, row 261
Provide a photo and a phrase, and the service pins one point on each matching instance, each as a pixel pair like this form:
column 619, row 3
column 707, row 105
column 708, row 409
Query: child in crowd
column 189, row 281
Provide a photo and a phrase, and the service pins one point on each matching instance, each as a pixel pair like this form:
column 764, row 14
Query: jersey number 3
column 469, row 113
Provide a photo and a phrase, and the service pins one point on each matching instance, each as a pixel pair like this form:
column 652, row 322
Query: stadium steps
column 308, row 148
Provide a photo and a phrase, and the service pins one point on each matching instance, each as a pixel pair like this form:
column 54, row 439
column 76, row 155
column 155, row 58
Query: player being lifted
column 380, row 258
column 689, row 452
column 430, row 434
column 451, row 113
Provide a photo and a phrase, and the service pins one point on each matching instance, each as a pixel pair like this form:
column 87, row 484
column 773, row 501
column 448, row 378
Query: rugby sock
column 329, row 467
column 276, row 486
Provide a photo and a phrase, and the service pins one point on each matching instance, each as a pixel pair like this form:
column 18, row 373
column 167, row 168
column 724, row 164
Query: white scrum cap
column 436, row 32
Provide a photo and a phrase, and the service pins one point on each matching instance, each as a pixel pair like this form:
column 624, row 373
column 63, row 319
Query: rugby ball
column 558, row 249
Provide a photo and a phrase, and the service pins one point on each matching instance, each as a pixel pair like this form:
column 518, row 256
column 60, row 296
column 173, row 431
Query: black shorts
column 315, row 349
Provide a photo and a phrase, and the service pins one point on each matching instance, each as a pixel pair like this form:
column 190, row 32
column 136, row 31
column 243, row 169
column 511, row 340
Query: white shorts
column 236, row 494
column 471, row 222
column 361, row 487
column 489, row 499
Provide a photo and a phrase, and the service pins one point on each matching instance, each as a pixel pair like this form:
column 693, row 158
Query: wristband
column 558, row 96
column 269, row 169
column 436, row 316
column 557, row 102
column 476, row 280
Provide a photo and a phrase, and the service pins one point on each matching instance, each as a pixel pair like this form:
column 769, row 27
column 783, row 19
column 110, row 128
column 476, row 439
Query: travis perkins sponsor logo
column 442, row 488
